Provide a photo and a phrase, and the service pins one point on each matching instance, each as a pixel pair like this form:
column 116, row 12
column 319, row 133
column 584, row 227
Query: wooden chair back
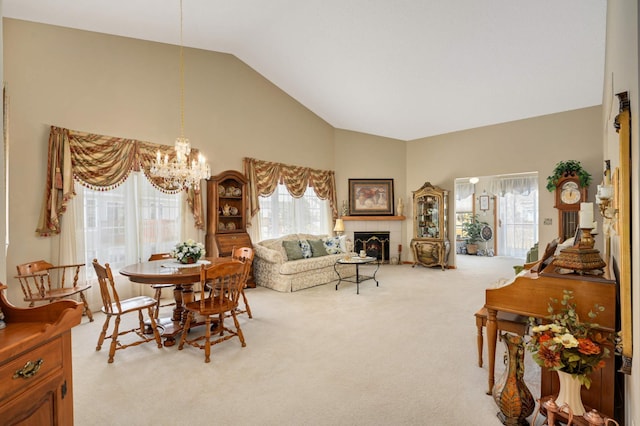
column 160, row 256
column 43, row 281
column 34, row 279
column 227, row 280
column 244, row 255
column 108, row 290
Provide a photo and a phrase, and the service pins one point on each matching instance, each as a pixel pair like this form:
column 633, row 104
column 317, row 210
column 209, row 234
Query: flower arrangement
column 568, row 344
column 188, row 251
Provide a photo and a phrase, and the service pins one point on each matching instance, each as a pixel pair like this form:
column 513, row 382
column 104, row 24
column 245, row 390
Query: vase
column 569, row 394
column 188, row 260
column 510, row 393
column 400, row 207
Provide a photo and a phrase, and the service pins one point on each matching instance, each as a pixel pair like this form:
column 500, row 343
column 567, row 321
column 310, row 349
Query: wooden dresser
column 36, row 383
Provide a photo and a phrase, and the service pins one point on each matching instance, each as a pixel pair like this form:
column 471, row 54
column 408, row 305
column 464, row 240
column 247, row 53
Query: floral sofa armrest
column 268, row 255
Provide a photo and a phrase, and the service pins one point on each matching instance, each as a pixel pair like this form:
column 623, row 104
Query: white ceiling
column 404, row 69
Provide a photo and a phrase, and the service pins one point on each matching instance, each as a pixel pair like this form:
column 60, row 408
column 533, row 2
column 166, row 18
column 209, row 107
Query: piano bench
column 512, row 323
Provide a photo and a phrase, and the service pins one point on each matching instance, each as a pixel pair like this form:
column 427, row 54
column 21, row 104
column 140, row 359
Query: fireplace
column 376, row 244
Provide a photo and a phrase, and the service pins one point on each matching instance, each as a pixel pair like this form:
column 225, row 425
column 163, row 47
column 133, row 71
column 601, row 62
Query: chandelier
column 179, row 173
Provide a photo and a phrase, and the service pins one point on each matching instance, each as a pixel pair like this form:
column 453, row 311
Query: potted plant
column 565, row 169
column 472, row 233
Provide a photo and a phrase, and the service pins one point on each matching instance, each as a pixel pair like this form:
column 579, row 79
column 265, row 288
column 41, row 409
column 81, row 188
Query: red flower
column 587, row 347
column 544, row 338
column 550, row 358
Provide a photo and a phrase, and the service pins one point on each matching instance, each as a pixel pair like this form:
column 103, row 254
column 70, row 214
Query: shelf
column 369, row 218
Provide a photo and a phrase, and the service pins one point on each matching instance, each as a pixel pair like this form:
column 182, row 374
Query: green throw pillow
column 317, row 248
column 294, row 252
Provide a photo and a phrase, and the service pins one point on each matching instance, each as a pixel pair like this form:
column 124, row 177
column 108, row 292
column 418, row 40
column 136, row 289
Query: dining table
column 170, row 271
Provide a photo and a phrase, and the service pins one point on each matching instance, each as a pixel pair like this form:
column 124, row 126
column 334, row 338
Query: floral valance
column 264, row 177
column 100, row 163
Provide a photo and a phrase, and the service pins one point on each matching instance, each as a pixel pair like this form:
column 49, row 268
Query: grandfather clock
column 569, row 195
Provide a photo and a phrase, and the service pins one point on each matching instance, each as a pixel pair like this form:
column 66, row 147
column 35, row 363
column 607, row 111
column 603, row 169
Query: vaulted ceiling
column 403, row 69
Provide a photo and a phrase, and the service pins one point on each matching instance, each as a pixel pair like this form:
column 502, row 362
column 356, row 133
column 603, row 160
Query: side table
column 357, row 261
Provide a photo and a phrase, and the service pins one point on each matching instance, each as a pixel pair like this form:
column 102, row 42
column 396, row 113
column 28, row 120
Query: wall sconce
column 339, row 228
column 604, row 200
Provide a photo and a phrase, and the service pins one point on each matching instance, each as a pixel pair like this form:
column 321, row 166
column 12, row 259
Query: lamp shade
column 339, row 226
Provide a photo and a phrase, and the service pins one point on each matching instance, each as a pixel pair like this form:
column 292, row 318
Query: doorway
column 508, row 203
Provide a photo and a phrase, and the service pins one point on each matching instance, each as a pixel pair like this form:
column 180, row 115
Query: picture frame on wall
column 371, row 197
column 484, row 203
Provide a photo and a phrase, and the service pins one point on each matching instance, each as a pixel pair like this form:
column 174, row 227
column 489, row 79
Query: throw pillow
column 294, row 252
column 332, row 245
column 317, row 248
column 306, row 249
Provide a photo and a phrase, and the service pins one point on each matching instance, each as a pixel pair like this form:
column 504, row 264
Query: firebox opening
column 376, row 244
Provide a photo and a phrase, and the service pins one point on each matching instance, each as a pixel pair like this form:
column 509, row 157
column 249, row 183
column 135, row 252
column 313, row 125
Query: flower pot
column 472, row 249
column 188, row 260
column 569, row 394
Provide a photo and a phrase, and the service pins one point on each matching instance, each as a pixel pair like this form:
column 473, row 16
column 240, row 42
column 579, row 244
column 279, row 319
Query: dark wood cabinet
column 36, row 382
column 227, row 214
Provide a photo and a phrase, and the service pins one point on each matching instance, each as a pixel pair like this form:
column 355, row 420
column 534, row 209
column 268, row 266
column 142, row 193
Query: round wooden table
column 161, row 272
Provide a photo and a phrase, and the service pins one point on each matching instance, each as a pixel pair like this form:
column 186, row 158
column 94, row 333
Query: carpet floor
column 403, row 353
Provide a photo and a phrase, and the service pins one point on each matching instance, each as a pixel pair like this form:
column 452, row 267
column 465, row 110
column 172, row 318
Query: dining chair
column 227, row 280
column 43, row 282
column 159, row 287
column 113, row 306
column 244, row 255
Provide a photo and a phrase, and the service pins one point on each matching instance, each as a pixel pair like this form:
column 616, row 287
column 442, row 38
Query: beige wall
column 532, row 145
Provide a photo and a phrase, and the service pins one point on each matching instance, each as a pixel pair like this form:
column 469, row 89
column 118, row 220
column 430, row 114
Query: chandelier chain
column 181, row 75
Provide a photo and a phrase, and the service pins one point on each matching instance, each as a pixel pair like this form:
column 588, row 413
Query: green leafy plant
column 566, row 169
column 566, row 343
column 472, row 229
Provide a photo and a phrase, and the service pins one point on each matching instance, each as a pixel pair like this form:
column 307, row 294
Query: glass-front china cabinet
column 430, row 243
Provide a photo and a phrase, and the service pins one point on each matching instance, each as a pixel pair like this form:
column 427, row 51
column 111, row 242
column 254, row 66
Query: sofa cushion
column 335, row 245
column 293, row 250
column 317, row 248
column 306, row 249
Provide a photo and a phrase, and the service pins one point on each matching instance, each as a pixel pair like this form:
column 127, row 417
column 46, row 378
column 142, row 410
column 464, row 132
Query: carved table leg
column 492, row 337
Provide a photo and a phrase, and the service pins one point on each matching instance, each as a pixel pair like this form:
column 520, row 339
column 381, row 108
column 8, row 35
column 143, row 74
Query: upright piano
column 529, row 294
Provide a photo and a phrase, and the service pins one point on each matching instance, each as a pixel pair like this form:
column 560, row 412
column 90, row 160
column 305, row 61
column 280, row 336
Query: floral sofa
column 279, row 266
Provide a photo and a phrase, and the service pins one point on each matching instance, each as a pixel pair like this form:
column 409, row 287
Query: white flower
column 567, row 340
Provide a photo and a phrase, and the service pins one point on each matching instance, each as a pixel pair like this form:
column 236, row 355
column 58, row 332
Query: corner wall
column 531, row 145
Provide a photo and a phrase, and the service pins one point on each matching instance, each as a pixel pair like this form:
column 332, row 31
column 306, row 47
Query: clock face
column 570, row 193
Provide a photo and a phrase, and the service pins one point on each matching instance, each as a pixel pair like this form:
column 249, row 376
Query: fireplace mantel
column 373, row 217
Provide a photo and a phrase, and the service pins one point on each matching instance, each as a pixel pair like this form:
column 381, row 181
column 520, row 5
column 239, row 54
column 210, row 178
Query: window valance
column 515, row 184
column 264, row 177
column 100, row 163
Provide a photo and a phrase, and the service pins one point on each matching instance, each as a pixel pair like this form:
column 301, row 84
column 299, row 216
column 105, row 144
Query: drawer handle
column 30, row 369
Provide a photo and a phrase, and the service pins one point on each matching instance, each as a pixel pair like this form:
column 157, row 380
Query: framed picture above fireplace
column 371, row 197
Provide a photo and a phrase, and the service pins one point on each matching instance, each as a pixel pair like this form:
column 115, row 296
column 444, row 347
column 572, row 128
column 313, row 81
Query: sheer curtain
column 281, row 214
column 517, row 212
column 122, row 226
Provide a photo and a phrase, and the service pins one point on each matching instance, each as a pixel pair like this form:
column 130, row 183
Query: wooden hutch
column 227, row 214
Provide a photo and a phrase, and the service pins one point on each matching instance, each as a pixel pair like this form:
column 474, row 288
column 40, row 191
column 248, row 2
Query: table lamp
column 339, row 228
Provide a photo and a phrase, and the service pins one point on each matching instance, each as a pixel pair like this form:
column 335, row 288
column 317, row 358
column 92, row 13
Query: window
column 281, row 214
column 464, row 213
column 129, row 223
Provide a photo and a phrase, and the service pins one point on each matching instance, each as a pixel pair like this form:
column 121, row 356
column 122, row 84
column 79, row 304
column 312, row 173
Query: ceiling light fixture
column 179, row 173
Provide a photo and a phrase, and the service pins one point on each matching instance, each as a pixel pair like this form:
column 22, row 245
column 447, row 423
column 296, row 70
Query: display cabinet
column 226, row 213
column 430, row 243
